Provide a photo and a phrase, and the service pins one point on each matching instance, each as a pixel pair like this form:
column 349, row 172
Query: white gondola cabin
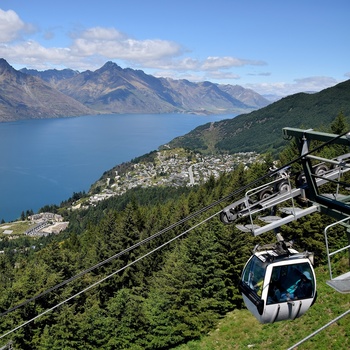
column 278, row 286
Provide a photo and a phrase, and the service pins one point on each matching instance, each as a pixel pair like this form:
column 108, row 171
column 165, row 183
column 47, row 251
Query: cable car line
column 80, row 274
column 278, row 283
column 146, row 240
column 108, row 276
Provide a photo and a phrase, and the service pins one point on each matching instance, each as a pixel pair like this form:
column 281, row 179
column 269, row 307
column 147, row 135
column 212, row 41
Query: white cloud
column 92, row 47
column 32, row 54
column 215, row 67
column 213, row 63
column 309, row 84
column 220, row 75
column 10, row 26
column 112, row 44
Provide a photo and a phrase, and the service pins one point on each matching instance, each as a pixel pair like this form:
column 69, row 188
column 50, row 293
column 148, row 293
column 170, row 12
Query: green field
column 17, row 228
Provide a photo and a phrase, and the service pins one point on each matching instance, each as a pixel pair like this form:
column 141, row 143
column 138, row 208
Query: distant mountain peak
column 109, row 65
column 5, row 66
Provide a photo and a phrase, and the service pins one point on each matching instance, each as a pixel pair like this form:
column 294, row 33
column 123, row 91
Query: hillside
column 239, row 330
column 260, row 130
column 24, row 96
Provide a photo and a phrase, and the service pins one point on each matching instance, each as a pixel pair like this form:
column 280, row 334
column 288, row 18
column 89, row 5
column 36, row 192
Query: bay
column 43, row 162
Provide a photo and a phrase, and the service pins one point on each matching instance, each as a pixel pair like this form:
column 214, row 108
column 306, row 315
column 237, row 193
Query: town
column 173, row 167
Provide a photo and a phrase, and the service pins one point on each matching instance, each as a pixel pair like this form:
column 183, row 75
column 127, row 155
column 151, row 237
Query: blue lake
column 45, row 161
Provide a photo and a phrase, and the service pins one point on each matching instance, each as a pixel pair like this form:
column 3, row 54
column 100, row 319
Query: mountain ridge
column 51, row 76
column 115, row 90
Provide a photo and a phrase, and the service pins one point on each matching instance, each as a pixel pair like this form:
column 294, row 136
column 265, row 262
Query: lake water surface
column 45, row 161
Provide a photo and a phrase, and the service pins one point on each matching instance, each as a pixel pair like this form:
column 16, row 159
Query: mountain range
column 32, row 94
column 24, row 96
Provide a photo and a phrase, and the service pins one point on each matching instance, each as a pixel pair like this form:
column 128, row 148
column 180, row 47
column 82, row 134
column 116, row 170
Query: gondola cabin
column 278, row 286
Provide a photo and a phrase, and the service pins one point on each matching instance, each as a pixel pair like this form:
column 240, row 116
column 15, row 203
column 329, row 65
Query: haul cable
column 80, row 274
column 107, row 277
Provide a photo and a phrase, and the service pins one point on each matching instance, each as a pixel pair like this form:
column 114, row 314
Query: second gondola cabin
column 278, row 284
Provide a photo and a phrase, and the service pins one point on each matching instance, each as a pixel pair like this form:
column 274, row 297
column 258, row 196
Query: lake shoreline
column 45, row 161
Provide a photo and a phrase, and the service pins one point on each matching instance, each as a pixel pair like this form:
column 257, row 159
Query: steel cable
column 107, row 277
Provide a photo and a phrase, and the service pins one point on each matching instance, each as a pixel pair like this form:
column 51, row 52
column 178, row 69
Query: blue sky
column 272, row 46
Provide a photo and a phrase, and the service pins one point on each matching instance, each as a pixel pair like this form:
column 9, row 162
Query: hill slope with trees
column 261, row 130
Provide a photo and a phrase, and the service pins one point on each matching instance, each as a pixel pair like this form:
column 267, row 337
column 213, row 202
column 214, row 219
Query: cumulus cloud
column 11, row 26
column 112, row 44
column 88, row 50
column 93, row 46
column 32, row 54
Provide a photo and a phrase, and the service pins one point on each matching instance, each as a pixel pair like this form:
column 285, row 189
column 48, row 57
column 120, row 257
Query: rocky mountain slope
column 113, row 89
column 23, row 96
column 51, row 76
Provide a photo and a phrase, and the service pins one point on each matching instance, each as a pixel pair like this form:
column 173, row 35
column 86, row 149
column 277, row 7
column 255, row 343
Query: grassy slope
column 18, row 227
column 240, row 330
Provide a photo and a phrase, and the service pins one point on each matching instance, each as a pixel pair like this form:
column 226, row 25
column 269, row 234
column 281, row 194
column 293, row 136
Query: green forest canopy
column 173, row 296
